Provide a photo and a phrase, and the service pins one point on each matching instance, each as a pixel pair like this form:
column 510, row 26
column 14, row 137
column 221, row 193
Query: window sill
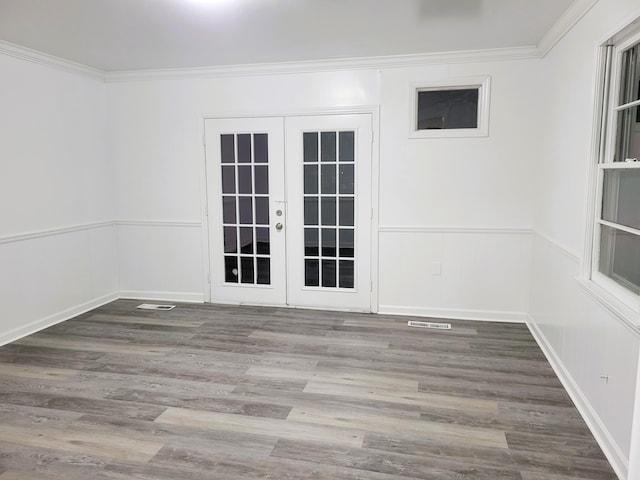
column 628, row 316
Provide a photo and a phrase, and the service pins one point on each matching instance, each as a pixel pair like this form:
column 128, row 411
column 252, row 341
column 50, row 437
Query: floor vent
column 437, row 326
column 153, row 306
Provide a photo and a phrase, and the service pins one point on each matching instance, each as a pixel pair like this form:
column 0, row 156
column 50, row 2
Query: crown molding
column 24, row 53
column 568, row 20
column 363, row 63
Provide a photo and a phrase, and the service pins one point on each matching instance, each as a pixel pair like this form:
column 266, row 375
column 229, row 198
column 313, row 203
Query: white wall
column 464, row 203
column 584, row 339
column 57, row 248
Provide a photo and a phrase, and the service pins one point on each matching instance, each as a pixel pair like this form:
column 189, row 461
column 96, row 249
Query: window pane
column 260, row 145
column 230, row 240
column 231, row 269
column 446, row 109
column 262, row 210
column 310, row 141
column 346, row 178
column 246, row 266
column 229, row 209
column 347, row 152
column 328, row 210
column 346, row 212
column 312, row 273
column 311, row 211
column 328, row 146
column 620, row 257
column 346, row 243
column 244, row 179
column 328, row 179
column 621, row 197
column 246, row 239
column 246, row 214
column 244, row 148
column 346, row 274
column 328, row 242
column 628, row 135
column 264, row 271
column 262, row 241
column 329, row 273
column 311, row 179
column 227, row 148
column 311, row 242
column 229, row 179
column 262, row 179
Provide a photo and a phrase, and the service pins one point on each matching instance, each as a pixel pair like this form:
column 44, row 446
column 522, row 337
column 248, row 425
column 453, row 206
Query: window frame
column 482, row 83
column 622, row 301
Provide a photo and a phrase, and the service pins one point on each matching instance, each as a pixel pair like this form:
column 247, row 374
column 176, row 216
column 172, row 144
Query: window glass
column 447, row 109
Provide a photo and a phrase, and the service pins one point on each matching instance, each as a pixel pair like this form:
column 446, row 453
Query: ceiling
column 120, row 35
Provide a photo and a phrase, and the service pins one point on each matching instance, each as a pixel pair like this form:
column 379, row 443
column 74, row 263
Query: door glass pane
column 230, row 240
column 328, row 146
column 310, row 147
column 244, row 148
column 329, row 252
column 620, row 257
column 228, row 179
column 245, row 208
column 261, row 148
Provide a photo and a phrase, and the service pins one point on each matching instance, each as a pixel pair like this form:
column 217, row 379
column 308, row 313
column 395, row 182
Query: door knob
column 278, row 226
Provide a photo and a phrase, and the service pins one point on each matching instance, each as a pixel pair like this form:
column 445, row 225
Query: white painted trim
column 50, row 320
column 157, row 223
column 569, row 19
column 20, row 237
column 453, row 313
column 623, row 312
column 634, row 451
column 363, row 63
column 612, row 451
column 569, row 252
column 188, row 297
column 34, row 56
column 454, row 229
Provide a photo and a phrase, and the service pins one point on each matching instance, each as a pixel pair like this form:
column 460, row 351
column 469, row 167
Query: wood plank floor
column 230, row 393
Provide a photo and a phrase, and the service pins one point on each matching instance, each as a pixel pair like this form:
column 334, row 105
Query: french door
column 289, row 202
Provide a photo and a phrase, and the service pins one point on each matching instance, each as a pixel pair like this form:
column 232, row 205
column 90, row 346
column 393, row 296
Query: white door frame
column 374, row 110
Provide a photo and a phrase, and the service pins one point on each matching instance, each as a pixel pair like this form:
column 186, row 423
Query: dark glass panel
column 328, row 146
column 310, row 145
column 261, row 150
column 328, row 211
column 262, row 210
column 312, row 273
column 228, row 179
column 311, row 242
column 346, row 243
column 311, row 211
column 244, row 148
column 346, row 212
column 262, row 179
column 230, row 240
column 246, row 214
column 621, row 198
column 328, row 242
column 347, row 151
column 227, row 148
column 346, row 180
column 346, row 274
column 328, row 179
column 329, row 273
column 264, row 271
column 229, row 209
column 246, row 270
column 620, row 257
column 246, row 239
column 310, row 179
column 262, row 241
column 446, row 109
column 231, row 269
column 244, row 179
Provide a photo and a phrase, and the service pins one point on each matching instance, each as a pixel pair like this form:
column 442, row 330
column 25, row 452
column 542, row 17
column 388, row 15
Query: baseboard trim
column 610, row 448
column 187, row 297
column 452, row 313
column 20, row 332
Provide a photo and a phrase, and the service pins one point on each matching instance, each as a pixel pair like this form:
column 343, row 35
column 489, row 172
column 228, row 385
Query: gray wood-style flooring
column 229, row 393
